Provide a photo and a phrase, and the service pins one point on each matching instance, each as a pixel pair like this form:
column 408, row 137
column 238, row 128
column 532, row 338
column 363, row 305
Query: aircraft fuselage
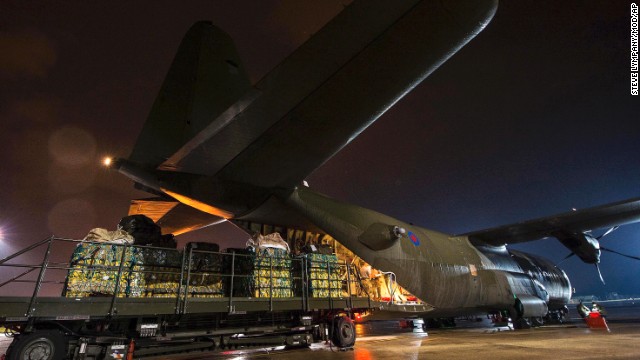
column 445, row 271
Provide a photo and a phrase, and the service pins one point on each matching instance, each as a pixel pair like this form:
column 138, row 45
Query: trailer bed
column 123, row 301
column 59, row 308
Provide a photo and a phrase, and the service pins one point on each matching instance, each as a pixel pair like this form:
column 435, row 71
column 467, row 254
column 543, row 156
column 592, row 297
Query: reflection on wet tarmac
column 470, row 340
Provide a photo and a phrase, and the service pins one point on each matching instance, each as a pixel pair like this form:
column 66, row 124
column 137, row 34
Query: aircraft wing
column 573, row 222
column 328, row 91
column 217, row 143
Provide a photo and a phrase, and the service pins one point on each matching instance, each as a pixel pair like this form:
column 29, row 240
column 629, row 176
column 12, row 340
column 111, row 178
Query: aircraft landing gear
column 521, row 323
column 440, row 323
column 557, row 316
column 537, row 321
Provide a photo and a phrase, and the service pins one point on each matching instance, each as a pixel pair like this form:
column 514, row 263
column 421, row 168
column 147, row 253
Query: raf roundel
column 414, row 238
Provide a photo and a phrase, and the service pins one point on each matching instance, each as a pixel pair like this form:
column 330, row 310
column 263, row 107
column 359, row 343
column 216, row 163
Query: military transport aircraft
column 216, row 148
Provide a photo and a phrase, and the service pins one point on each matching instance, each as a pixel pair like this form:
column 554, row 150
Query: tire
column 38, row 345
column 537, row 321
column 521, row 324
column 344, row 333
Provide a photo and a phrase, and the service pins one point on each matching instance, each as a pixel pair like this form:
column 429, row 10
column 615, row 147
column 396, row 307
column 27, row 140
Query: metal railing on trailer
column 118, row 299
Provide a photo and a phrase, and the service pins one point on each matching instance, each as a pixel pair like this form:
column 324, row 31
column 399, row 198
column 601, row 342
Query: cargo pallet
column 127, row 326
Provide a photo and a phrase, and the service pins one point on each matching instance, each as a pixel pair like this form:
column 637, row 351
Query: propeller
column 600, row 274
column 619, row 253
column 611, row 250
column 608, row 232
column 596, row 238
column 594, row 243
column 615, row 252
column 565, row 258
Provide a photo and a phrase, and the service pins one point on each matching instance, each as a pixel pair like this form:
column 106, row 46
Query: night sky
column 532, row 118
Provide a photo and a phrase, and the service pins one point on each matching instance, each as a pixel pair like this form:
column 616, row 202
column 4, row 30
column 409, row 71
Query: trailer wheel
column 38, row 345
column 344, row 333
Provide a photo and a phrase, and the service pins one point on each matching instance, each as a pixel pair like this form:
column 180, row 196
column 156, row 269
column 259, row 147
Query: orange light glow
column 362, row 354
column 199, row 205
column 107, row 161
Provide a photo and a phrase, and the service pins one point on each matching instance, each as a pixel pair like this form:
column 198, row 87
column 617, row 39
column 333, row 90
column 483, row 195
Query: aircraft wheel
column 537, row 321
column 344, row 333
column 38, row 345
column 561, row 317
column 521, row 323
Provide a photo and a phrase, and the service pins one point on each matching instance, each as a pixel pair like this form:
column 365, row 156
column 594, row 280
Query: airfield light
column 107, row 161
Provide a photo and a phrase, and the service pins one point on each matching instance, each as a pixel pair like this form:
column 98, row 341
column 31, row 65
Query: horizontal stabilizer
column 620, row 213
column 172, row 216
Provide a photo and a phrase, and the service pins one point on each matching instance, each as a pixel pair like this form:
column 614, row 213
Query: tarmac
column 471, row 339
column 573, row 341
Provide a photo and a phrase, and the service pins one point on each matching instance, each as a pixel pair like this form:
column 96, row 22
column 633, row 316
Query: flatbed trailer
column 126, row 326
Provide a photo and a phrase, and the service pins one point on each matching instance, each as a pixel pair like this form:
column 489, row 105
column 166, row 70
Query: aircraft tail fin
column 205, row 78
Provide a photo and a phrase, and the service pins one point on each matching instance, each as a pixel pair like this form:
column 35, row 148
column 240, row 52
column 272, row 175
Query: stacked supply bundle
column 95, row 264
column 161, row 271
column 242, row 269
column 264, row 269
column 162, row 267
column 323, row 274
column 272, row 273
column 205, row 280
